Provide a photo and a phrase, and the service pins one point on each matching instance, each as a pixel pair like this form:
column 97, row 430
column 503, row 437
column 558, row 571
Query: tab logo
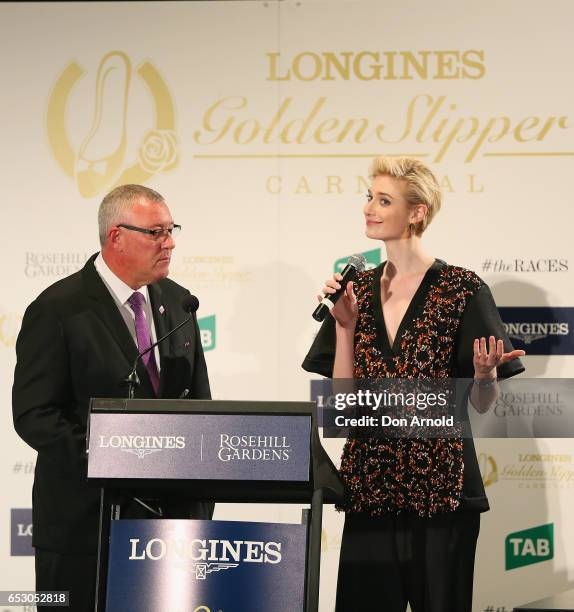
column 529, row 546
column 373, row 260
column 207, row 331
column 21, row 532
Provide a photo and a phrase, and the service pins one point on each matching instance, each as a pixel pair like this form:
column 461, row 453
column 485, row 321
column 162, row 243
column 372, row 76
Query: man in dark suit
column 79, row 338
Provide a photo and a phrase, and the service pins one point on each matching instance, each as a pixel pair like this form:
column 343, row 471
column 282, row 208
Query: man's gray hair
column 118, row 201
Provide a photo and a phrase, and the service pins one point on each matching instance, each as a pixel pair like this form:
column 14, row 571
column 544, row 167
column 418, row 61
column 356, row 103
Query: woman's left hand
column 486, row 360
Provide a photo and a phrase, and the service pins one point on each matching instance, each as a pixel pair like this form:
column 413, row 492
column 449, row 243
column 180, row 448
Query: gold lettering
column 207, row 123
column 362, row 184
column 474, row 125
column 248, row 124
column 273, row 185
column 437, row 134
column 376, row 68
column 546, row 127
column 430, row 116
column 479, row 69
column 359, row 134
column 325, row 126
column 390, row 71
column 356, row 184
column 445, row 65
column 273, row 68
column 449, row 138
column 453, row 133
column 525, row 124
column 410, row 60
column 276, row 119
column 303, row 186
column 305, row 123
column 446, row 185
column 472, row 187
column 368, row 65
column 433, row 121
column 298, row 60
column 332, row 60
column 490, row 124
column 334, row 184
column 409, row 122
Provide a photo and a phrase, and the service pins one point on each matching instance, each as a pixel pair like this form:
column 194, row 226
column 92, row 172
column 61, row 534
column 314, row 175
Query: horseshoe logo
column 99, row 162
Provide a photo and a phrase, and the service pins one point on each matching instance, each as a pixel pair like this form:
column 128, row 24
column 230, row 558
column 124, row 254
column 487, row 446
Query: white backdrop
column 257, row 121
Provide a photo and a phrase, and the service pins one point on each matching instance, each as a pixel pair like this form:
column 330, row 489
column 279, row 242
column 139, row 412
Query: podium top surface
column 202, row 406
column 563, row 602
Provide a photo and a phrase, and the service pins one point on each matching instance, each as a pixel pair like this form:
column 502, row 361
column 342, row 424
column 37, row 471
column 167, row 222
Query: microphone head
column 190, row 303
column 358, row 262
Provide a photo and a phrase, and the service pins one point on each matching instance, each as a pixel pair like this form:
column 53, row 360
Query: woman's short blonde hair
column 421, row 184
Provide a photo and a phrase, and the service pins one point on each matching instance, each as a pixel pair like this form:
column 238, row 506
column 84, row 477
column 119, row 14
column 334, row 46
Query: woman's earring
column 411, row 229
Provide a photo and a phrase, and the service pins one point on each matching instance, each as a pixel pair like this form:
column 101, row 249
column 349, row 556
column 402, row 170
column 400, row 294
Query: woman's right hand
column 345, row 311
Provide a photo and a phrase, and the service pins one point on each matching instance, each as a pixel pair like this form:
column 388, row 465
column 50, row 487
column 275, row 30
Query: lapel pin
column 161, row 309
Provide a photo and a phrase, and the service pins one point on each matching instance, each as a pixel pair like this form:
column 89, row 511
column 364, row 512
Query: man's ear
column 113, row 236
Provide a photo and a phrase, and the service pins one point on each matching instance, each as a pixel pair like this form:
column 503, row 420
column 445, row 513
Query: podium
column 215, row 451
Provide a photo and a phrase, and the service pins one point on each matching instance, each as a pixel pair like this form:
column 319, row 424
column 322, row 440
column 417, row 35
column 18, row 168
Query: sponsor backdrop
column 257, row 121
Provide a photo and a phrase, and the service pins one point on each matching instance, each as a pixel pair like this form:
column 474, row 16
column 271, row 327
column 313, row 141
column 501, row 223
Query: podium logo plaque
column 199, row 447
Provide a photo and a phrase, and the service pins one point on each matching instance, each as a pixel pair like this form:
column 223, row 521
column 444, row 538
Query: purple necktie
column 136, row 302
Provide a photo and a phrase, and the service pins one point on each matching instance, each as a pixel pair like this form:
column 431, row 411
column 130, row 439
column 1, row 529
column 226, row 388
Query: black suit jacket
column 75, row 345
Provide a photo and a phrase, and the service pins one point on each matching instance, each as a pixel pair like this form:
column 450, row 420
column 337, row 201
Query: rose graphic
column 158, row 151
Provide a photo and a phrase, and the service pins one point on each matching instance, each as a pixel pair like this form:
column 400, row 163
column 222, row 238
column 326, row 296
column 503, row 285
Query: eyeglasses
column 159, row 233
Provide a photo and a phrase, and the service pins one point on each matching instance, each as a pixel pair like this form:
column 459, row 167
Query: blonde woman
column 413, row 505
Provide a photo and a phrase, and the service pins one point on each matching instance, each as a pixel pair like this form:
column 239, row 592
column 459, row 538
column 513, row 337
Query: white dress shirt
column 121, row 294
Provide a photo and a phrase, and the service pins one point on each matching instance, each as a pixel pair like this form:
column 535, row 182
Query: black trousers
column 388, row 562
column 76, row 573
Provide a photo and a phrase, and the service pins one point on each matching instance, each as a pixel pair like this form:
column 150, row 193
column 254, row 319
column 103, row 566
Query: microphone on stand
column 355, row 264
column 190, row 304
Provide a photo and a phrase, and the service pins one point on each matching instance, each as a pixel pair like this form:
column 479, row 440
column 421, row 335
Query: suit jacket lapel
column 106, row 308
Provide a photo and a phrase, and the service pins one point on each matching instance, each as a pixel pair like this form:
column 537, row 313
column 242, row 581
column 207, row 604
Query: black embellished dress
column 451, row 307
column 405, row 476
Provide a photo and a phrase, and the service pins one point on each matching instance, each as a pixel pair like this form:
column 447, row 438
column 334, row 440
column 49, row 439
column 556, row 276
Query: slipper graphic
column 102, row 152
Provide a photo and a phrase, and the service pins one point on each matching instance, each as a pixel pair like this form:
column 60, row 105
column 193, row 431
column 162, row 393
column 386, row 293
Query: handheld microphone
column 190, row 304
column 355, row 263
